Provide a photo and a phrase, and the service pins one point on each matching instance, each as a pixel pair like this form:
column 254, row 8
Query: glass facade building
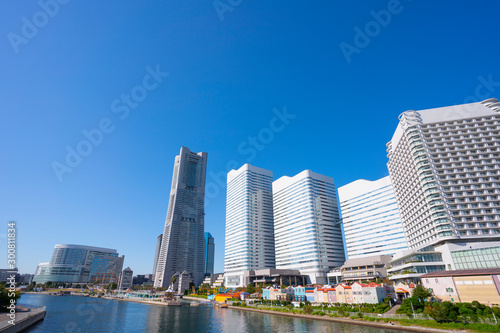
column 209, row 254
column 75, row 263
column 370, row 217
column 249, row 235
column 106, row 269
column 182, row 245
column 307, row 229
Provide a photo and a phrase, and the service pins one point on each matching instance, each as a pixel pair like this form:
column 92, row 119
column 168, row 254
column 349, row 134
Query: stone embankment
column 389, row 325
column 24, row 318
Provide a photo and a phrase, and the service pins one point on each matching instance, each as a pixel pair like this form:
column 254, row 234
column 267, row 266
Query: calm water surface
column 89, row 315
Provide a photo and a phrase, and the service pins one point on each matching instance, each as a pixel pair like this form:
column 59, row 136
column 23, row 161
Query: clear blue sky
column 225, row 78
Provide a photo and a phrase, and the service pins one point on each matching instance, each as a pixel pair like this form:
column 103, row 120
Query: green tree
column 48, row 284
column 416, row 303
column 442, row 312
column 5, row 298
column 250, row 288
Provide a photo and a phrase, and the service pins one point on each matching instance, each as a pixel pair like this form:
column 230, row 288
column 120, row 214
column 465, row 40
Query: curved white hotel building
column 308, row 237
column 249, row 239
column 370, row 216
column 445, row 168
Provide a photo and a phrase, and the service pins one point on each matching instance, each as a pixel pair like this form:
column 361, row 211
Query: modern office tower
column 370, row 216
column 80, row 263
column 125, row 279
column 307, row 230
column 157, row 253
column 182, row 244
column 445, row 168
column 249, row 241
column 209, row 254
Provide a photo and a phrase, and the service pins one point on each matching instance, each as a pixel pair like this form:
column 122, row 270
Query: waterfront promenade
column 25, row 318
column 389, row 325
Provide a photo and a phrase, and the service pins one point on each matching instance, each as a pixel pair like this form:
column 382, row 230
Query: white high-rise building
column 182, row 244
column 370, row 216
column 249, row 241
column 307, row 231
column 445, row 168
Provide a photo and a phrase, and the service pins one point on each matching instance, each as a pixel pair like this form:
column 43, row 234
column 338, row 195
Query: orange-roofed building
column 344, row 294
column 330, row 294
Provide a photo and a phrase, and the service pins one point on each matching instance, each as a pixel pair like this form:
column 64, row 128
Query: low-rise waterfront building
column 287, row 277
column 407, row 266
column 365, row 268
column 299, row 294
column 310, row 297
column 334, row 276
column 482, row 285
column 344, row 293
column 285, row 294
column 332, row 295
column 371, row 293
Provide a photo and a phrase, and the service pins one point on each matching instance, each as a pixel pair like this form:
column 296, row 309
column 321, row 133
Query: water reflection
column 89, row 315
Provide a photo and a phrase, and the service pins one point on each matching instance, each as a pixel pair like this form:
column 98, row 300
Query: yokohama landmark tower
column 182, row 247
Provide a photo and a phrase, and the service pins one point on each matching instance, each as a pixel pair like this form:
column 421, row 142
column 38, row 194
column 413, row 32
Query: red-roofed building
column 344, row 294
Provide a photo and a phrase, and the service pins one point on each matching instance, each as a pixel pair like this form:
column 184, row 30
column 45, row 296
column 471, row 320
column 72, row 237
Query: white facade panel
column 308, row 237
column 372, row 225
column 249, row 240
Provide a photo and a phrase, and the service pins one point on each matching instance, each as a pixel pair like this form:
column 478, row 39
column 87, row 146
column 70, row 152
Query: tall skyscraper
column 249, row 223
column 209, row 254
column 370, row 216
column 183, row 238
column 445, row 168
column 157, row 253
column 306, row 225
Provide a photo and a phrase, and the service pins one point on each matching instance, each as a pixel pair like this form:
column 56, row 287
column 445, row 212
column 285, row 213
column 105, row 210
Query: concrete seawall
column 395, row 326
column 23, row 321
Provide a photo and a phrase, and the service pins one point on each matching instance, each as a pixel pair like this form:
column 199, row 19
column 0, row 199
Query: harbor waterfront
column 89, row 315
